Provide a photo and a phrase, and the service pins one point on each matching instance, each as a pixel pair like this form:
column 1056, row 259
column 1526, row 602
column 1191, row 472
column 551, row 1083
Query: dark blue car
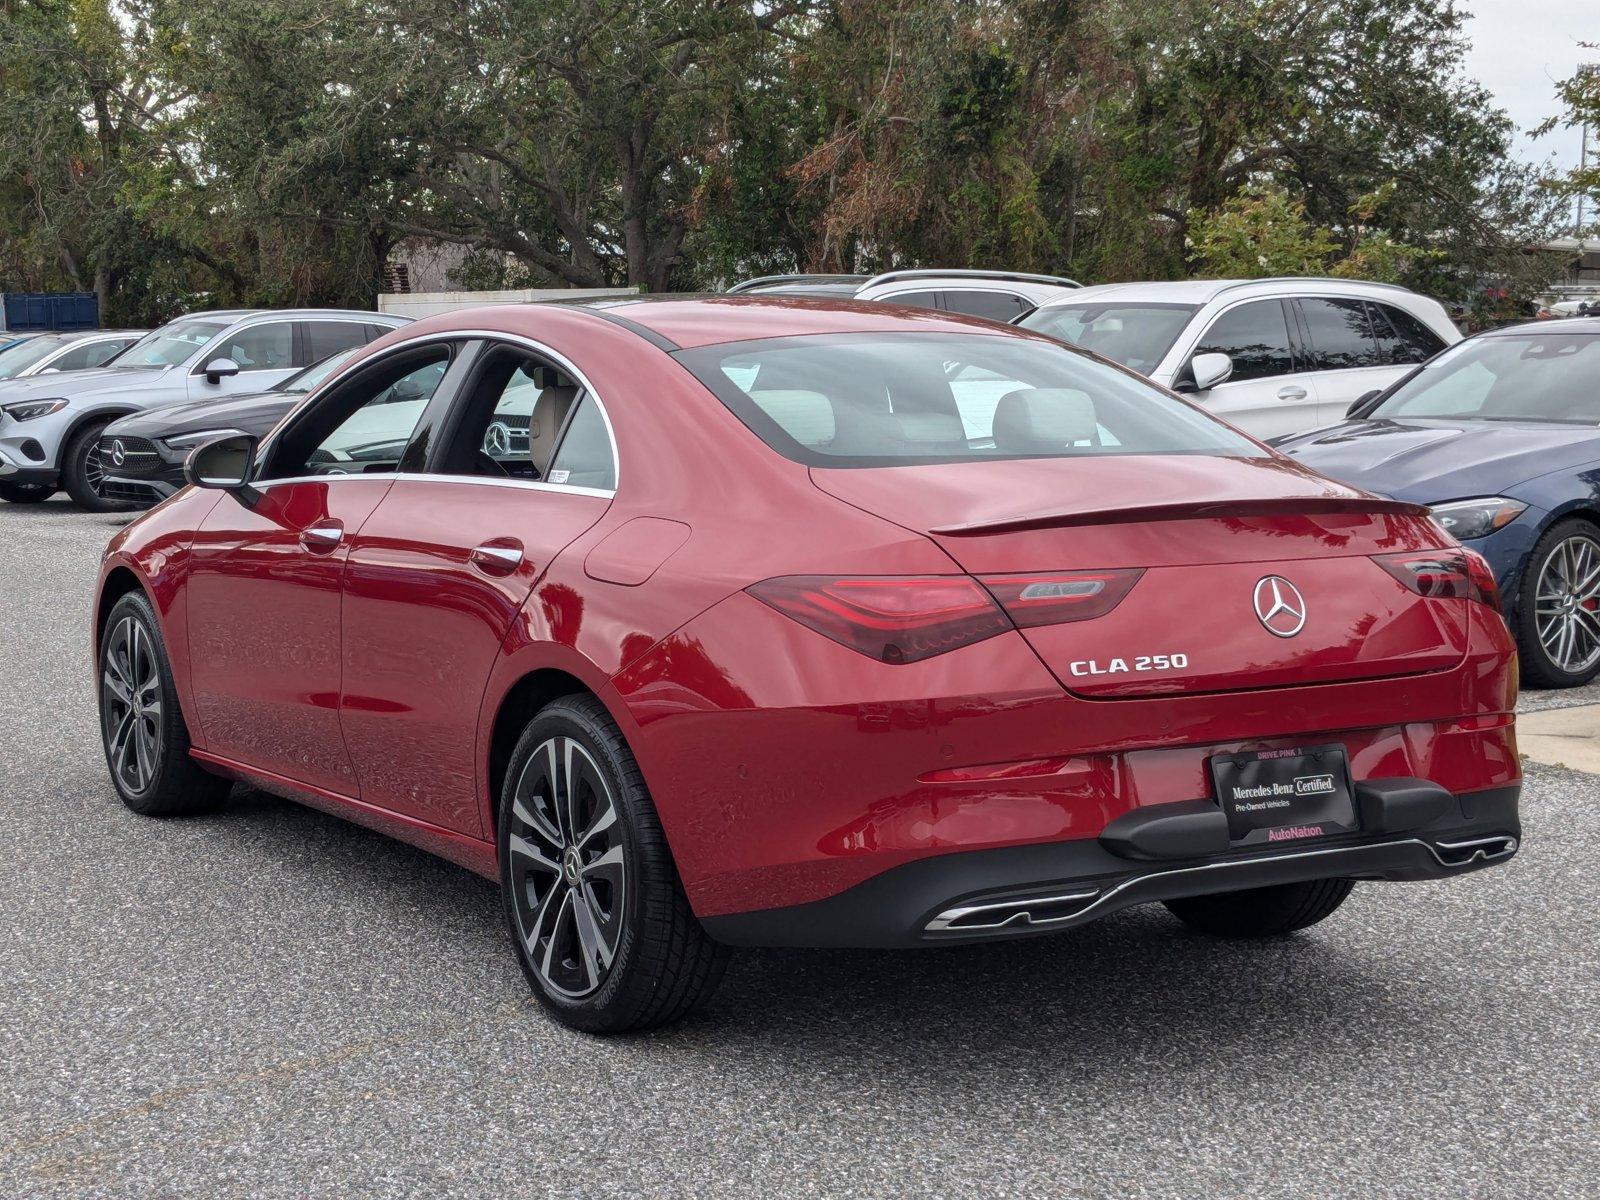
column 1500, row 435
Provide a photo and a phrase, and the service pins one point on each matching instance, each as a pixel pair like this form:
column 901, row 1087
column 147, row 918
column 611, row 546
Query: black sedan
column 144, row 452
column 1500, row 436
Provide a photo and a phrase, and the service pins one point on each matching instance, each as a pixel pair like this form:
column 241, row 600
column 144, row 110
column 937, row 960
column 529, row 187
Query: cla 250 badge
column 1121, row 666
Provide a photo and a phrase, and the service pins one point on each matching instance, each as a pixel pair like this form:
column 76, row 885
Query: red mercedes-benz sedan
column 701, row 622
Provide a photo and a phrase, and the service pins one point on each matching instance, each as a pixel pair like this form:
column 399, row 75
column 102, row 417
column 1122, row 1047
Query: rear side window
column 329, row 337
column 1341, row 335
column 1402, row 338
column 1004, row 307
column 869, row 400
column 1255, row 336
column 583, row 457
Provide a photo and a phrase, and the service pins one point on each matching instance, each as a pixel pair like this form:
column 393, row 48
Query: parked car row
column 1369, row 383
column 51, row 423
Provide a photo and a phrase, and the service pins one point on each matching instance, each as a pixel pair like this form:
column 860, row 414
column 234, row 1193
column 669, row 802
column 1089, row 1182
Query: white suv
column 997, row 295
column 50, row 424
column 1272, row 356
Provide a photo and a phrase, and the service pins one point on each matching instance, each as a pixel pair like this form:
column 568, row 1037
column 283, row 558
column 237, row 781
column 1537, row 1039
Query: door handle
column 323, row 536
column 1291, row 392
column 498, row 557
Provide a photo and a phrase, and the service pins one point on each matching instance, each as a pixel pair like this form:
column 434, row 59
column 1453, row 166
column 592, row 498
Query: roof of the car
column 77, row 335
column 1581, row 325
column 683, row 322
column 240, row 314
column 1203, row 291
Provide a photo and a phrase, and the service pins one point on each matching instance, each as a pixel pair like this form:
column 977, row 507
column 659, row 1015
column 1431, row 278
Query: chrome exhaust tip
column 1035, row 912
column 1465, row 854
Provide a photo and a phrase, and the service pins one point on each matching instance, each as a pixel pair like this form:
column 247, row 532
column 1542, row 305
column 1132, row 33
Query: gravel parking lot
column 269, row 1002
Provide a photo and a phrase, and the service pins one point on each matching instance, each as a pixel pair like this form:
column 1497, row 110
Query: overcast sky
column 1520, row 49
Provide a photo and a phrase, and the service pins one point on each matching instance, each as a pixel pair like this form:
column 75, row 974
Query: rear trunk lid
column 1222, row 544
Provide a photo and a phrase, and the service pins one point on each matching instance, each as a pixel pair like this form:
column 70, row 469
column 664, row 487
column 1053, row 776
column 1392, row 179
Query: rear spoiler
column 1286, row 506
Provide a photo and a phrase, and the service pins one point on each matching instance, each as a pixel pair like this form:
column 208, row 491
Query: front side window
column 1255, row 336
column 362, row 427
column 1506, row 377
column 268, row 347
column 1136, row 335
column 863, row 400
column 171, row 344
column 1341, row 335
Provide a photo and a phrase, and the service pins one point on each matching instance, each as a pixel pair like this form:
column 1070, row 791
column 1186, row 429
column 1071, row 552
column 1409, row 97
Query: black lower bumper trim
column 1016, row 891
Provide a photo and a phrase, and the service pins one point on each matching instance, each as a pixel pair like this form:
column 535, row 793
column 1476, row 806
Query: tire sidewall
column 74, row 466
column 174, row 738
column 564, row 719
column 1538, row 669
column 25, row 493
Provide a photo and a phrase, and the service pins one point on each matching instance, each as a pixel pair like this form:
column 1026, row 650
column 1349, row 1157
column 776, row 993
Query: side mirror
column 1361, row 402
column 51, row 371
column 224, row 465
column 218, row 368
column 1209, row 370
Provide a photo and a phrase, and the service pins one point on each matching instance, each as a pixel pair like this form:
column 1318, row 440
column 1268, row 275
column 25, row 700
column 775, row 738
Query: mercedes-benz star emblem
column 1279, row 606
column 119, row 452
column 497, row 440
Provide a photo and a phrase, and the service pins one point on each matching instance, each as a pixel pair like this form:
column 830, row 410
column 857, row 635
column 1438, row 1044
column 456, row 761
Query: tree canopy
column 172, row 152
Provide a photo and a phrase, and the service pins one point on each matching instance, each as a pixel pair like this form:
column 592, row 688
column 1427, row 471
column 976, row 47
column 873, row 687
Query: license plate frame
column 1302, row 793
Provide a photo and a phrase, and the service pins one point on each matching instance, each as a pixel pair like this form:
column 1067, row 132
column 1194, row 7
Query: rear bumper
column 1018, row 891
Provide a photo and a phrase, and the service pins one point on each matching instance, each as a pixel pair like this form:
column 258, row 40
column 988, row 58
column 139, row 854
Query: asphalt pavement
column 270, row 1002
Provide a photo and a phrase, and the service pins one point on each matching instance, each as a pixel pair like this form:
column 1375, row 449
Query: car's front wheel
column 596, row 911
column 1263, row 912
column 1558, row 622
column 26, row 493
column 142, row 729
column 83, row 474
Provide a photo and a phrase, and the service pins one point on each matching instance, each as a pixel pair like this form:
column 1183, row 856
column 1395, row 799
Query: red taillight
column 891, row 619
column 1455, row 574
column 904, row 619
column 1057, row 597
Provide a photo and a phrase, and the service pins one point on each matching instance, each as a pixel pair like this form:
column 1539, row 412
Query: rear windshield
column 863, row 400
column 1506, row 377
column 1135, row 335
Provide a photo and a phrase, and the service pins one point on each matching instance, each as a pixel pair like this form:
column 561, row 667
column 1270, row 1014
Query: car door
column 437, row 575
column 265, row 571
column 1346, row 362
column 1265, row 395
column 264, row 352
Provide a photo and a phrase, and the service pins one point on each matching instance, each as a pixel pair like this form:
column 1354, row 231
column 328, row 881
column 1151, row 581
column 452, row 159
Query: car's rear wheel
column 1262, row 912
column 26, row 493
column 83, row 474
column 142, row 730
column 597, row 914
column 1558, row 623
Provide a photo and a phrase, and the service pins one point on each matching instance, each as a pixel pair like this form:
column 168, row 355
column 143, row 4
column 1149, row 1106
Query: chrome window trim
column 445, row 337
column 262, row 485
